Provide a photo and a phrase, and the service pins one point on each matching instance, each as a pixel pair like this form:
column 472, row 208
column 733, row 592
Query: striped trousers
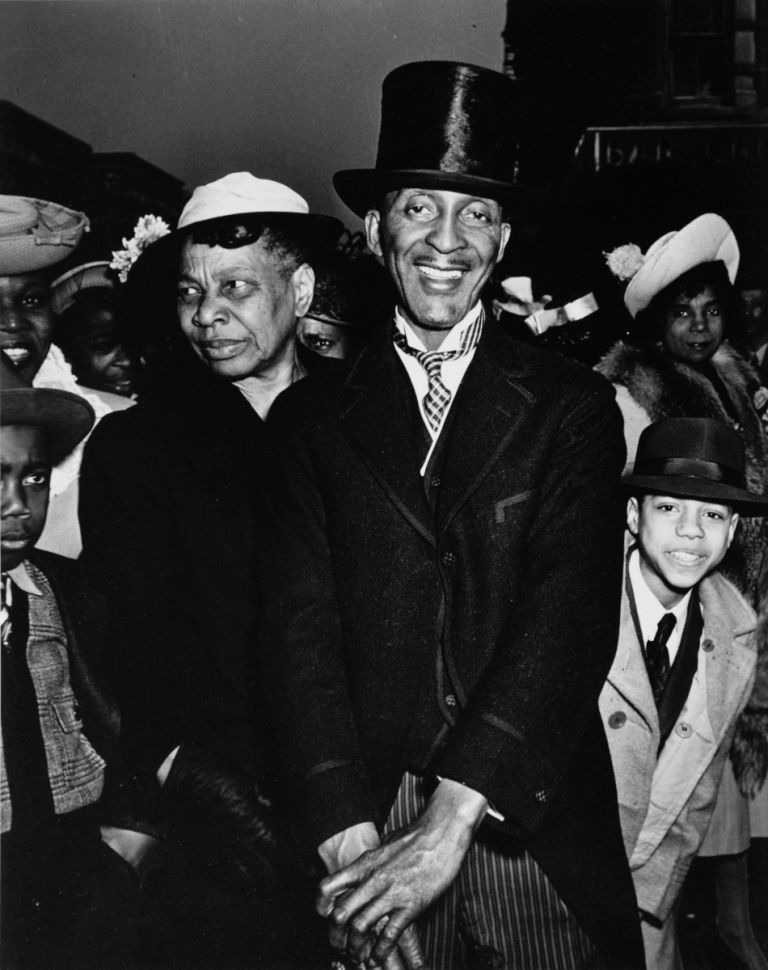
column 500, row 913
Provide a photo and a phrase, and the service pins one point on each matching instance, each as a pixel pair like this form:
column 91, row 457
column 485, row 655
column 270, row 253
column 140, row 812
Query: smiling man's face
column 439, row 247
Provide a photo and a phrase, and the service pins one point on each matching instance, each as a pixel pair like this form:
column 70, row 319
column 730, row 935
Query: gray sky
column 287, row 89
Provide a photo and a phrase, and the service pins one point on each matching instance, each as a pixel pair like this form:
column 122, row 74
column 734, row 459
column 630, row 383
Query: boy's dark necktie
column 657, row 656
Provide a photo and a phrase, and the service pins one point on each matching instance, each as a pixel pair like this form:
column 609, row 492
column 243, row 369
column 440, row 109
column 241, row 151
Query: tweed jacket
column 696, row 751
column 460, row 625
column 91, row 708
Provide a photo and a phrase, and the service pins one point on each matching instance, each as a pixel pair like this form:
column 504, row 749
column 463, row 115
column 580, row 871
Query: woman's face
column 26, row 320
column 324, row 338
column 694, row 327
column 98, row 354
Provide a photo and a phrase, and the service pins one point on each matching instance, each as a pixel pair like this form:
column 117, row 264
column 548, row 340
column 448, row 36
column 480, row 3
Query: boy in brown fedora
column 67, row 899
column 685, row 661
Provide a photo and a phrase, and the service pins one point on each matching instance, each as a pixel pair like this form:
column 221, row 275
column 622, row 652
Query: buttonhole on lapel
column 500, row 508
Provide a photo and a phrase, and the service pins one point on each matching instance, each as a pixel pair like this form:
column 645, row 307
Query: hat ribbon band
column 692, row 468
column 65, row 238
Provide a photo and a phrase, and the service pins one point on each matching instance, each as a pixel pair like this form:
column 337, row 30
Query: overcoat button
column 683, row 729
column 434, row 481
column 450, row 700
column 448, row 559
column 541, row 795
column 708, row 645
column 617, row 719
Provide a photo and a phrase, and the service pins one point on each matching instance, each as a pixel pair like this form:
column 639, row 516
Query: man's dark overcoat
column 460, row 626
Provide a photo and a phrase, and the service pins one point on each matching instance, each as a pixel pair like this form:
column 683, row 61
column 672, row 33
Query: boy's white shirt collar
column 20, row 575
column 650, row 610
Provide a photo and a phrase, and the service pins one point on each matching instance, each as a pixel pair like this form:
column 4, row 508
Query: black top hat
column 443, row 126
column 698, row 458
column 67, row 417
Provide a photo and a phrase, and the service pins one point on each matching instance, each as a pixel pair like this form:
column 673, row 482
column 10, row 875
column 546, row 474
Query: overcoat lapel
column 378, row 426
column 628, row 674
column 489, row 406
column 728, row 667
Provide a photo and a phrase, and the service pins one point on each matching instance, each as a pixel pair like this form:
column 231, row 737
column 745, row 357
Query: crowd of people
column 378, row 609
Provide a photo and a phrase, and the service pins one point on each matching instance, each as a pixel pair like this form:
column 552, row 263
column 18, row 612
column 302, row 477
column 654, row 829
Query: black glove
column 217, row 813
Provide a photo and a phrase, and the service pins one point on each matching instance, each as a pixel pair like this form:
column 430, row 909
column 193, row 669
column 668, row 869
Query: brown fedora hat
column 698, row 458
column 444, row 125
column 67, row 417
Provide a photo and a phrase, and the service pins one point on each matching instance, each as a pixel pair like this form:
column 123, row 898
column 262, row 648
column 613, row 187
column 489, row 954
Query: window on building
column 700, row 51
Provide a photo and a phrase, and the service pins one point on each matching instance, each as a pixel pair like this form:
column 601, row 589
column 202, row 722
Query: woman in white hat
column 676, row 364
column 35, row 236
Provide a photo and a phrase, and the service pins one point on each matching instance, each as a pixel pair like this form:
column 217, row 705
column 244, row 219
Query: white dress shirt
column 452, row 371
column 650, row 610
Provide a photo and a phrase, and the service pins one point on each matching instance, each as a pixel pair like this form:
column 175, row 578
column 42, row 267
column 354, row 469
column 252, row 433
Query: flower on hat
column 625, row 261
column 148, row 229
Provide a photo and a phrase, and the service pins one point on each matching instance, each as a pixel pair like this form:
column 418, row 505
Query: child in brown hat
column 66, row 897
column 685, row 661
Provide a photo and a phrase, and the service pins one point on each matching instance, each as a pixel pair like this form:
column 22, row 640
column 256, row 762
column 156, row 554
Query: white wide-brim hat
column 35, row 234
column 706, row 239
column 238, row 199
column 89, row 276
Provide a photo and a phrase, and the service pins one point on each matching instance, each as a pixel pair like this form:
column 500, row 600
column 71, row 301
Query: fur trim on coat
column 667, row 388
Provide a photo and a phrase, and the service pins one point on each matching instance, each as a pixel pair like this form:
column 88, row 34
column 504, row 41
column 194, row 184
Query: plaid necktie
column 438, row 397
column 657, row 656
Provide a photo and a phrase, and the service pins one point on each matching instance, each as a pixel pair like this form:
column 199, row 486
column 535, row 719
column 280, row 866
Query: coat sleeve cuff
column 335, row 797
column 487, row 754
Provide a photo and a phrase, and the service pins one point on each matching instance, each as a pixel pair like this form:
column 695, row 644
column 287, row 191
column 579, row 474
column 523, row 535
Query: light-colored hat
column 35, row 234
column 707, row 239
column 234, row 201
column 89, row 276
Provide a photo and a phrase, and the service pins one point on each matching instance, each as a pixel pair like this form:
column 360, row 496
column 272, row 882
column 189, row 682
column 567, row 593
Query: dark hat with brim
column 698, row 458
column 444, row 125
column 66, row 417
column 233, row 210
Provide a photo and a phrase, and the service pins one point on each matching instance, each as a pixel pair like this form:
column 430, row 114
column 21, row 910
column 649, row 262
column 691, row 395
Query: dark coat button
column 541, row 795
column 434, row 481
column 448, row 559
column 708, row 645
column 617, row 719
column 450, row 700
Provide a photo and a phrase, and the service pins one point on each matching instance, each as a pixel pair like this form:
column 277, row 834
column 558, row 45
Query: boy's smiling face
column 681, row 540
column 26, row 473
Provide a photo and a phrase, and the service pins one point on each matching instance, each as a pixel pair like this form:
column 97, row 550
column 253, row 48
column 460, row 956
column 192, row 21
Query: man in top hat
column 685, row 662
column 440, row 584
column 35, row 237
column 66, row 899
column 169, row 495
